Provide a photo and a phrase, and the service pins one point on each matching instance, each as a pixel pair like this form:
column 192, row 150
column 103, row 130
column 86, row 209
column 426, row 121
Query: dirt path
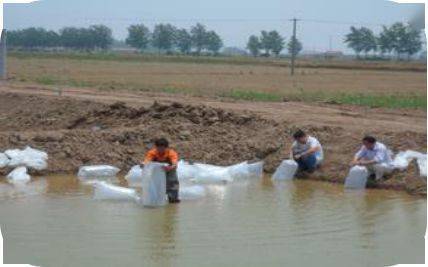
column 354, row 118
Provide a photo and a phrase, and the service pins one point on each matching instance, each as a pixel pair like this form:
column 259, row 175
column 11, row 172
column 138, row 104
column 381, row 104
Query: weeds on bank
column 252, row 96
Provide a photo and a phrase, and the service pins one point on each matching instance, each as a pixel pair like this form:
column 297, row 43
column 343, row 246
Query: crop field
column 369, row 84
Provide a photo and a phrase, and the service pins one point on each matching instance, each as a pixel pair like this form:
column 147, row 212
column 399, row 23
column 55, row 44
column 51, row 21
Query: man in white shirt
column 375, row 156
column 306, row 151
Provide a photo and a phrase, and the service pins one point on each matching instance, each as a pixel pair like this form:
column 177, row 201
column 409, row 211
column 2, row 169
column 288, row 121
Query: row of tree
column 397, row 39
column 166, row 37
column 94, row 37
column 272, row 43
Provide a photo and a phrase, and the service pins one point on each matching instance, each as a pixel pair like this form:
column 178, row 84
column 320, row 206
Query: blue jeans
column 307, row 163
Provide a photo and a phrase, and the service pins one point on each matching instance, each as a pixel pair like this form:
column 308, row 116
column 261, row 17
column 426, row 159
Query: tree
column 385, row 41
column 354, row 39
column 277, row 42
column 368, row 39
column 163, row 36
column 213, row 42
column 254, row 45
column 183, row 41
column 272, row 41
column 199, row 37
column 101, row 36
column 294, row 46
column 138, row 36
column 413, row 42
column 405, row 39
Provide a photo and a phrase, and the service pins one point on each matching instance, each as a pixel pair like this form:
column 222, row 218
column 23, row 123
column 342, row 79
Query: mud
column 78, row 132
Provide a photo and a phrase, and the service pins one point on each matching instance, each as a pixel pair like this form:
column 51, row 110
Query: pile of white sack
column 358, row 175
column 152, row 180
column 21, row 160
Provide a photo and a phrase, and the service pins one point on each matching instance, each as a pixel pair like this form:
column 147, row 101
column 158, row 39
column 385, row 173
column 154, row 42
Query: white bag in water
column 211, row 174
column 357, row 178
column 286, row 170
column 19, row 176
column 186, row 171
column 29, row 157
column 256, row 169
column 191, row 192
column 105, row 191
column 154, row 185
column 422, row 163
column 4, row 160
column 97, row 171
column 135, row 176
column 239, row 171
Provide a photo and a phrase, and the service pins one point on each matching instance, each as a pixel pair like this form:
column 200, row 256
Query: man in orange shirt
column 162, row 153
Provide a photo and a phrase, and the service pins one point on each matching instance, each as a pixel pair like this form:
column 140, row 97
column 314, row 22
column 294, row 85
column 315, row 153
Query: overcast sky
column 234, row 20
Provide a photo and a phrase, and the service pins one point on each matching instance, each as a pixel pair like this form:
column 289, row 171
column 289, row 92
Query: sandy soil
column 84, row 126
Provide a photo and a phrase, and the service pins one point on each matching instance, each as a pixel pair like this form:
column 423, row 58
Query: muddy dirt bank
column 78, row 132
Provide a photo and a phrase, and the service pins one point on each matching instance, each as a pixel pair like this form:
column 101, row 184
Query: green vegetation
column 252, row 96
column 369, row 100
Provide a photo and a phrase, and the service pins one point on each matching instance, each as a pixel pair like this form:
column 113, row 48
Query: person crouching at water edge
column 163, row 154
column 375, row 156
column 306, row 151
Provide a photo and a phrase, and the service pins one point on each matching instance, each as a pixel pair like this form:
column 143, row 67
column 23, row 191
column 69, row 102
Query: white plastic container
column 286, row 170
column 357, row 178
column 154, row 185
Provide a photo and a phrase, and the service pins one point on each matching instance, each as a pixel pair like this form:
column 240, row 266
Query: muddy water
column 54, row 222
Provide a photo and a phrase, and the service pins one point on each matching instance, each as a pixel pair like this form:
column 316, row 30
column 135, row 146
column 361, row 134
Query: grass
column 252, row 96
column 396, row 100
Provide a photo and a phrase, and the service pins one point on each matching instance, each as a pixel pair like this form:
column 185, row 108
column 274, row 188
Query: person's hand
column 168, row 168
column 355, row 163
column 297, row 156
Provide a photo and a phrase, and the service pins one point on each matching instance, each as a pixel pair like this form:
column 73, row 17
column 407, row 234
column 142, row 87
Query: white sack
column 97, row 171
column 191, row 192
column 286, row 170
column 403, row 158
column 105, row 191
column 186, row 171
column 19, row 176
column 135, row 175
column 154, row 185
column 29, row 157
column 256, row 169
column 4, row 160
column 357, row 178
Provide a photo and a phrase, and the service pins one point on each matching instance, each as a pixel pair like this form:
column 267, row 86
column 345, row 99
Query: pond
column 55, row 222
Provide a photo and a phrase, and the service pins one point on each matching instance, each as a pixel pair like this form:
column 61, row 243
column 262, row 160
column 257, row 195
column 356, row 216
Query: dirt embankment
column 80, row 132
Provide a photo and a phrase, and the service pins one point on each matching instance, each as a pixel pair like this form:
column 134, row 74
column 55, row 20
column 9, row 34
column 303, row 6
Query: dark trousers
column 172, row 185
column 307, row 163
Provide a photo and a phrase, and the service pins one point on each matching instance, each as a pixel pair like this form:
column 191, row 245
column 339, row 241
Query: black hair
column 370, row 139
column 299, row 134
column 161, row 142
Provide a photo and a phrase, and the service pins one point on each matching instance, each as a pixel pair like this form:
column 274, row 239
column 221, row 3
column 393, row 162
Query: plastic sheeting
column 19, row 176
column 135, row 176
column 357, row 178
column 154, row 185
column 105, row 191
column 29, row 157
column 191, row 192
column 209, row 174
column 4, row 160
column 97, row 171
column 402, row 160
column 286, row 170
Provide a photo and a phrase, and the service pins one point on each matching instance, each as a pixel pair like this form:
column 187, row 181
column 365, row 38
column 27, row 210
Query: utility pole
column 3, row 51
column 293, row 43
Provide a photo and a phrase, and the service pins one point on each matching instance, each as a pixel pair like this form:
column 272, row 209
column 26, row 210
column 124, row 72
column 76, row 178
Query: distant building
column 333, row 54
column 234, row 51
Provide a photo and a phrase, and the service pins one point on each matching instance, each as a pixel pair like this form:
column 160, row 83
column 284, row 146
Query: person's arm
column 173, row 157
column 149, row 157
column 358, row 156
column 315, row 146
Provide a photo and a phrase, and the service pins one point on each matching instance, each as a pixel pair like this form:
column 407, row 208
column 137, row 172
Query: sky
column 322, row 27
